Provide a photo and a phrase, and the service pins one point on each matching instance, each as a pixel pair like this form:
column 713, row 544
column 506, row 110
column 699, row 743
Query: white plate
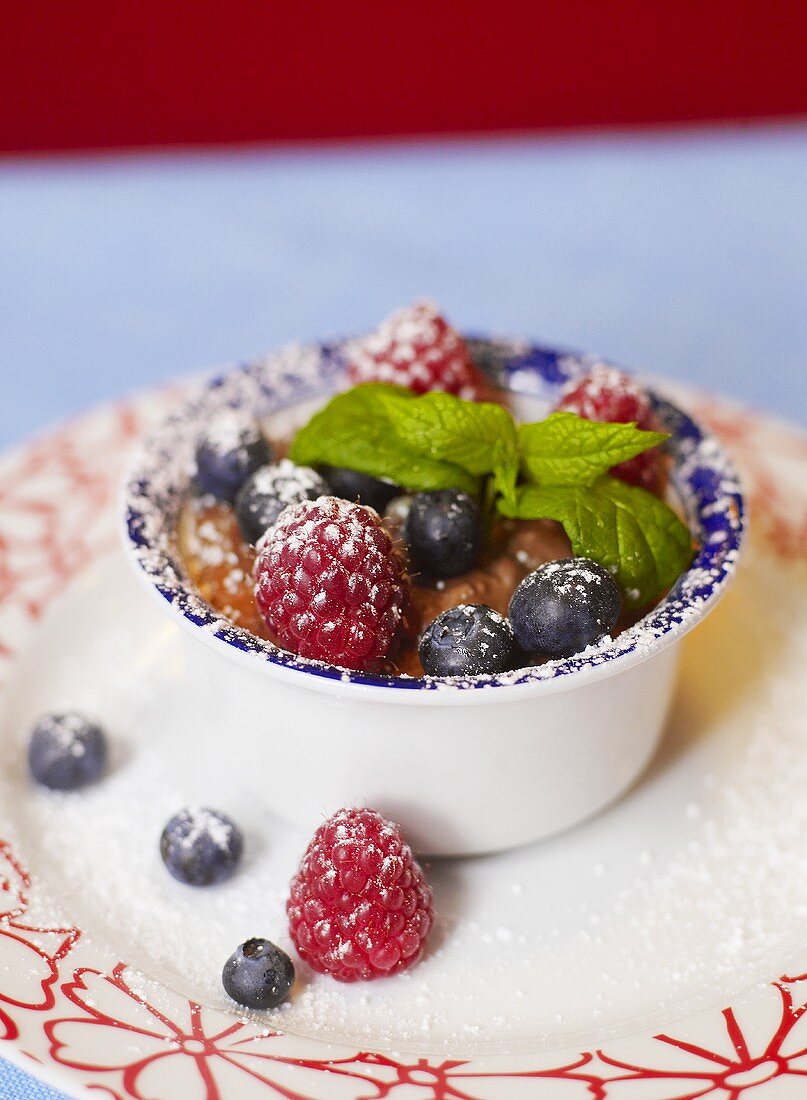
column 552, row 968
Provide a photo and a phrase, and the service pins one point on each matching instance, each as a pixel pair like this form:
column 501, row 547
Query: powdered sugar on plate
column 692, row 887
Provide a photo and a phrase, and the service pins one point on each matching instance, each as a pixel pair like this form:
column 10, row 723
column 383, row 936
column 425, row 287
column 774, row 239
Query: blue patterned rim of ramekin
column 160, row 480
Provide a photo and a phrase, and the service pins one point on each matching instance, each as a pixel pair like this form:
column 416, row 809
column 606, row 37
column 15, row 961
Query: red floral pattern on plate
column 61, row 1003
column 741, row 1064
column 212, row 1056
column 30, row 956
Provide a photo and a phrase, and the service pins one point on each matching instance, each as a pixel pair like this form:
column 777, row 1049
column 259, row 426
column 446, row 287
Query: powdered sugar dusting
column 702, row 475
column 230, row 430
column 415, row 347
column 692, row 887
column 601, row 380
column 288, row 482
column 198, row 822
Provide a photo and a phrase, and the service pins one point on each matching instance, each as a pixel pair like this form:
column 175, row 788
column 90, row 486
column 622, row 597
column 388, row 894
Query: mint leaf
column 480, row 437
column 438, row 441
column 565, row 449
column 355, row 429
column 623, row 528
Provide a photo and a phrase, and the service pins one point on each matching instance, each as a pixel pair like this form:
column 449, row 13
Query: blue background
column 684, row 254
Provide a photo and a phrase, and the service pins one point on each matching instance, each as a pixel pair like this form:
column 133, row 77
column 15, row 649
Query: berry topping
column 330, row 584
column 613, row 397
column 231, row 448
column 201, row 847
column 258, row 974
column 564, row 606
column 416, row 347
column 443, row 532
column 265, row 494
column 359, row 907
column 468, row 640
column 66, row 751
column 361, row 488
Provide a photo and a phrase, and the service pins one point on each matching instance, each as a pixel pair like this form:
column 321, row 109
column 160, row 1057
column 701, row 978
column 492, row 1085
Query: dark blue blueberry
column 66, row 751
column 265, row 494
column 564, row 606
column 468, row 640
column 351, row 485
column 201, row 847
column 443, row 532
column 228, row 451
column 258, row 974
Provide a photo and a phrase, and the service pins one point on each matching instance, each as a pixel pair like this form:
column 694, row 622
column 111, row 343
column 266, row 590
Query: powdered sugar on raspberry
column 415, row 347
column 330, row 584
column 607, row 393
column 359, row 907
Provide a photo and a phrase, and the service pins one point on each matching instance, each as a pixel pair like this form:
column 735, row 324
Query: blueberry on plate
column 201, row 846
column 229, row 449
column 258, row 974
column 360, row 488
column 467, row 640
column 564, row 606
column 265, row 494
column 67, row 751
column 443, row 532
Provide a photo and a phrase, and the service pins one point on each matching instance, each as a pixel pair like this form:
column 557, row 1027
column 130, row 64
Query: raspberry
column 416, row 347
column 359, row 907
column 330, row 584
column 609, row 395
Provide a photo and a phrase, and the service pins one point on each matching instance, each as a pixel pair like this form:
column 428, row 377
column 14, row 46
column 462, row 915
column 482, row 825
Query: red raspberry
column 609, row 395
column 416, row 347
column 330, row 584
column 359, row 907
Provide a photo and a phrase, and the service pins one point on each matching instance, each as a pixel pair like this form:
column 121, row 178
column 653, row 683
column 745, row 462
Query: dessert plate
column 655, row 952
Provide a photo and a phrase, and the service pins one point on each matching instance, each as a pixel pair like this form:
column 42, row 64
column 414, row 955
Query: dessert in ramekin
column 470, row 763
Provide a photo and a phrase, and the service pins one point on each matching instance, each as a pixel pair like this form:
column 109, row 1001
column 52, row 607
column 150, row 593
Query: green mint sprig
column 438, row 441
column 623, row 528
column 431, row 442
column 564, row 449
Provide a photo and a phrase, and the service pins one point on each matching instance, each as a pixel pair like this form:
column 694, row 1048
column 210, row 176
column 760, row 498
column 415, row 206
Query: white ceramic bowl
column 466, row 766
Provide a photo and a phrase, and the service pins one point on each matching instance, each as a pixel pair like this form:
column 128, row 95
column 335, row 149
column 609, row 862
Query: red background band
column 98, row 74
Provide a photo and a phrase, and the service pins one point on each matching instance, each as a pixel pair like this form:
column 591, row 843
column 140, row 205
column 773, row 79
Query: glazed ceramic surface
column 540, row 748
column 654, row 952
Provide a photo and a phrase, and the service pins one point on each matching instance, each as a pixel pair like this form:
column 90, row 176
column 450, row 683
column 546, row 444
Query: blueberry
column 468, row 640
column 361, row 488
column 228, row 451
column 444, row 532
column 66, row 751
column 265, row 494
column 564, row 606
column 258, row 974
column 200, row 846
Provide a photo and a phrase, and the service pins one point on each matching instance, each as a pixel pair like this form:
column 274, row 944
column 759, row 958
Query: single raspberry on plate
column 330, row 584
column 359, row 907
column 611, row 396
column 416, row 347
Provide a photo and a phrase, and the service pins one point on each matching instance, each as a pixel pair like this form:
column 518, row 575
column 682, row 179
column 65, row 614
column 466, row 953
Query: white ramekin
column 466, row 766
